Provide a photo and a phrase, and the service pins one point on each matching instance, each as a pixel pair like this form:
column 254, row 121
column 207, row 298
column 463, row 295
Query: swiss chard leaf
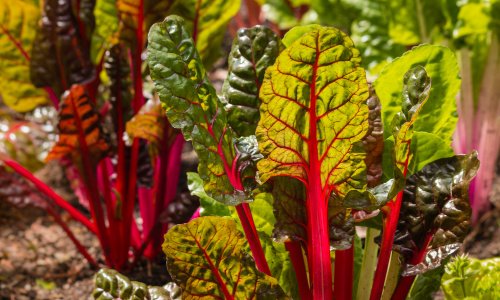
column 61, row 49
column 441, row 65
column 193, row 106
column 206, row 22
column 254, row 49
column 106, row 15
column 208, row 257
column 435, row 213
column 109, row 285
column 373, row 142
column 17, row 27
column 79, row 126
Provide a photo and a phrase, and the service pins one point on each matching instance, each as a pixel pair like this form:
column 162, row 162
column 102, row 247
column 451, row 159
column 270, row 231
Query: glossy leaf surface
column 78, row 120
column 61, row 54
column 18, row 20
column 441, row 66
column 208, row 258
column 373, row 142
column 206, row 22
column 313, row 112
column 435, row 204
column 254, row 49
column 109, row 285
column 192, row 105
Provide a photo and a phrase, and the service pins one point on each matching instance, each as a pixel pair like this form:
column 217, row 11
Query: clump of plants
column 120, row 154
column 294, row 158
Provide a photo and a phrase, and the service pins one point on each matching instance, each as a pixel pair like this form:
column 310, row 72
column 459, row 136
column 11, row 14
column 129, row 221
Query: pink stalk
column 196, row 214
column 295, row 252
column 47, row 191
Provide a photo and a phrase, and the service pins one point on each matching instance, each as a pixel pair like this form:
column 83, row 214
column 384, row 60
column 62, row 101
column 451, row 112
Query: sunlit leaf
column 254, row 49
column 18, row 20
column 106, row 26
column 208, row 257
column 192, row 105
column 441, row 66
column 79, row 122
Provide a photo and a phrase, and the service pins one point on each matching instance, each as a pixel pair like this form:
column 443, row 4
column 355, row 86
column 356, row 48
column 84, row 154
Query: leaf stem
column 297, row 258
column 344, row 274
column 368, row 264
column 47, row 191
column 246, row 219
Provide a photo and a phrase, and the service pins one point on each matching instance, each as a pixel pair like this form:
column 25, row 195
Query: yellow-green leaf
column 208, row 258
column 18, row 20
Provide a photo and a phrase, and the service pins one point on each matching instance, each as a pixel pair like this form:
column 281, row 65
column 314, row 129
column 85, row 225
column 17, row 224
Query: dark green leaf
column 254, row 49
column 435, row 205
column 373, row 142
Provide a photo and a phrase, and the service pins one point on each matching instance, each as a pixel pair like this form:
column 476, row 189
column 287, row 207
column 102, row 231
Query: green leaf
column 435, row 204
column 426, row 284
column 254, row 49
column 208, row 256
column 110, row 285
column 193, row 106
column 60, row 55
column 18, row 22
column 208, row 205
column 206, row 21
column 297, row 32
column 470, row 278
column 441, row 66
column 106, row 26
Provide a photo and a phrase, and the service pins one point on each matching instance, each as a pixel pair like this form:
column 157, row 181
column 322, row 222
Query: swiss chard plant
column 114, row 140
column 313, row 154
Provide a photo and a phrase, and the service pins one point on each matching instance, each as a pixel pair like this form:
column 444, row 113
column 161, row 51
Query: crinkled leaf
column 254, row 49
column 206, row 22
column 193, row 106
column 297, row 32
column 109, row 285
column 341, row 225
column 426, row 284
column 209, row 256
column 436, row 205
column 78, row 120
column 61, row 52
column 15, row 190
column 208, row 205
column 18, row 21
column 441, row 66
column 145, row 169
column 373, row 142
column 314, row 112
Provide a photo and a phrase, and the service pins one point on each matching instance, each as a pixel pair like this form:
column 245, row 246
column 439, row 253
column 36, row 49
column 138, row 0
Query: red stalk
column 318, row 243
column 344, row 274
column 405, row 282
column 91, row 186
column 72, row 237
column 295, row 252
column 248, row 225
column 47, row 191
column 389, row 230
column 108, row 198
